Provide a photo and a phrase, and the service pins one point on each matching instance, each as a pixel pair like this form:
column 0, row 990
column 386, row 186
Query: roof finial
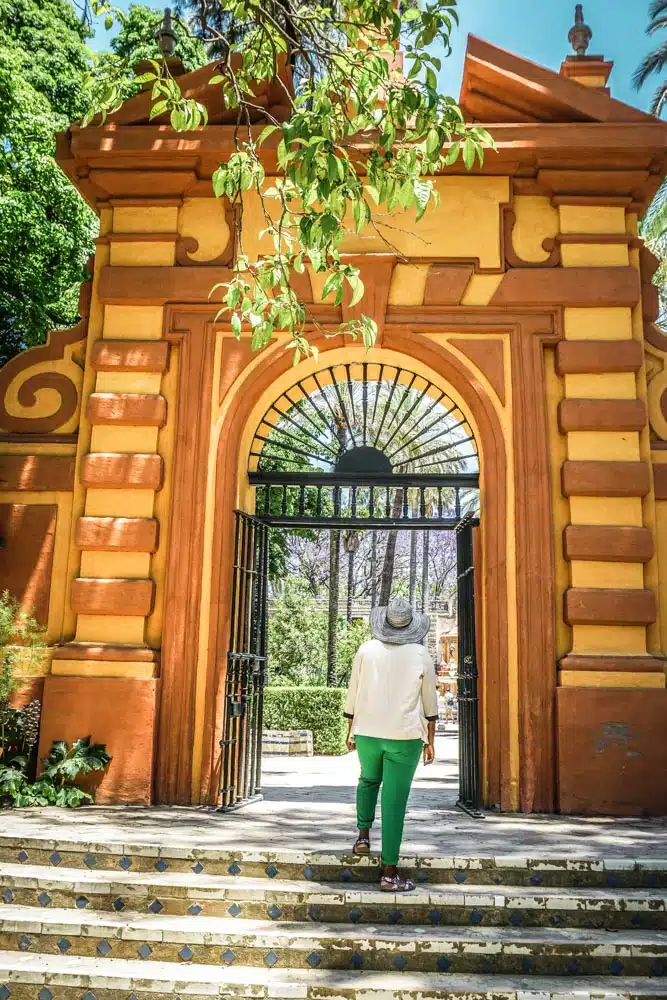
column 580, row 34
column 166, row 36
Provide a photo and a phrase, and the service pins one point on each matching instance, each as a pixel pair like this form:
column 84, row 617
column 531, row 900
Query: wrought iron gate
column 469, row 778
column 246, row 666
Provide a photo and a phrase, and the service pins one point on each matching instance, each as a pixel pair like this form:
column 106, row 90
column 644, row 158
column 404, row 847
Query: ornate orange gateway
column 525, row 295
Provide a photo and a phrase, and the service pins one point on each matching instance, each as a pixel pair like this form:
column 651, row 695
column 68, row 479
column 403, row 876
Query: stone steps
column 91, row 921
column 515, row 870
column 264, row 943
column 70, row 978
column 194, row 895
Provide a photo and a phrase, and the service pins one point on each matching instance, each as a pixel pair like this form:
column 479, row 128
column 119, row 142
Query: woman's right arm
column 351, row 700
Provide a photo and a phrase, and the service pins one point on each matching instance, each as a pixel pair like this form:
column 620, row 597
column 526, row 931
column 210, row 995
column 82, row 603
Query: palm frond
column 652, row 63
column 659, row 99
column 656, row 9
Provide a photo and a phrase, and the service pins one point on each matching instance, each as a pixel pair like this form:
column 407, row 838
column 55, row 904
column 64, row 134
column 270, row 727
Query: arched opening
column 377, row 449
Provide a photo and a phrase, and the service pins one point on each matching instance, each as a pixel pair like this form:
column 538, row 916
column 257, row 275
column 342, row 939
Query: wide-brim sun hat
column 397, row 622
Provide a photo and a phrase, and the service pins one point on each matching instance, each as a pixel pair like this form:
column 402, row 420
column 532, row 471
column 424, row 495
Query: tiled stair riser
column 431, row 871
column 452, row 956
column 495, row 911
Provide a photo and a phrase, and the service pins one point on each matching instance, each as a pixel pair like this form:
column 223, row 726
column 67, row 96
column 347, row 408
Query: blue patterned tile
column 536, row 879
column 612, row 880
column 556, row 920
column 125, row 863
column 272, row 870
column 357, row 961
column 346, row 875
column 194, row 910
column 8, row 896
column 636, row 920
column 274, row 912
column 81, row 902
column 234, row 868
column 197, row 868
column 497, row 879
column 133, row 996
column 314, row 912
column 271, row 959
column 56, row 858
column 186, row 953
column 395, row 916
column 4, row 992
column 104, row 948
column 443, row 964
column 435, row 916
column 487, row 965
column 118, row 905
column 400, row 962
column 659, row 967
column 25, row 943
column 90, row 861
column 22, row 856
column 515, row 919
column 156, row 906
column 650, row 880
column 63, row 946
column 460, row 876
column 161, row 865
column 355, row 915
column 234, row 910
column 476, row 917
column 144, row 951
column 44, row 899
column 309, row 872
column 314, row 959
column 45, row 994
column 422, row 875
column 573, row 967
column 527, row 965
column 616, row 967
column 89, row 995
column 228, row 957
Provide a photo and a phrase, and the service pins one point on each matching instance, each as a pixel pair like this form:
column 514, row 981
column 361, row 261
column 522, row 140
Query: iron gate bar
column 246, row 666
column 464, row 479
column 469, row 773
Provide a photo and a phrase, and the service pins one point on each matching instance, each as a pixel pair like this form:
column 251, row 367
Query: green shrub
column 56, row 785
column 319, row 709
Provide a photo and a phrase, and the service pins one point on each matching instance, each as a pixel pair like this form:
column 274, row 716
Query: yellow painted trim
column 592, row 219
column 609, row 385
column 120, row 565
column 620, row 679
column 132, row 322
column 559, row 504
column 124, row 440
column 480, row 289
column 607, row 574
column 116, row 629
column 607, row 510
column 408, row 284
column 105, row 668
column 146, row 382
column 603, row 446
column 120, row 503
column 142, row 254
column 620, row 640
column 145, row 218
column 594, row 255
column 39, row 448
column 600, row 323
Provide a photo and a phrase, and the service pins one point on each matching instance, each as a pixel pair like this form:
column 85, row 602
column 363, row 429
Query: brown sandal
column 394, row 883
column 362, row 846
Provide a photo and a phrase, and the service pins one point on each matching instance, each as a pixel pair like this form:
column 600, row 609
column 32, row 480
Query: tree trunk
column 424, row 598
column 413, row 566
column 374, row 567
column 334, row 587
column 390, row 552
column 350, row 582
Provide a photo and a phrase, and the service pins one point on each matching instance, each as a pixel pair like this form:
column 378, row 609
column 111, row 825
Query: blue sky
column 537, row 29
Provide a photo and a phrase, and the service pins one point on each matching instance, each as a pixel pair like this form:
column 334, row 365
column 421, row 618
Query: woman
column 392, row 708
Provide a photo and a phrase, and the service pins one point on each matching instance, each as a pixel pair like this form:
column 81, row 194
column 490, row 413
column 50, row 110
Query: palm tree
column 656, row 60
column 654, row 225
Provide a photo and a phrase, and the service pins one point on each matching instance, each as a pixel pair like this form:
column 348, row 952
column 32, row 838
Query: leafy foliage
column 56, row 785
column 361, row 140
column 46, row 229
column 298, row 638
column 656, row 60
column 319, row 709
column 20, row 635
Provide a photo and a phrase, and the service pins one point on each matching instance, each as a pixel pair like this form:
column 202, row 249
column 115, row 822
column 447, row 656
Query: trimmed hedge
column 319, row 709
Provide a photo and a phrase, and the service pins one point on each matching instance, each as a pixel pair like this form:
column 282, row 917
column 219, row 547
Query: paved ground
column 309, row 805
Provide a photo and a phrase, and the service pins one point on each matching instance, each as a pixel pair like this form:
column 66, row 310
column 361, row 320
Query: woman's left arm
column 430, row 703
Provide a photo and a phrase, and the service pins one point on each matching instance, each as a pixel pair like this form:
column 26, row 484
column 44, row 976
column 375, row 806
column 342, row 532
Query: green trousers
column 392, row 764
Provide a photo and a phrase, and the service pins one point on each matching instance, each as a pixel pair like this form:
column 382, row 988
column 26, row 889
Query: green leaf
column 433, row 142
column 468, row 153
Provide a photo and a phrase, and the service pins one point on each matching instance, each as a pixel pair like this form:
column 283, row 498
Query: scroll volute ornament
column 187, row 245
column 50, row 366
column 512, row 259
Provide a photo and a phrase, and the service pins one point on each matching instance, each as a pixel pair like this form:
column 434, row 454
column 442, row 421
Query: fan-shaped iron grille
column 364, row 443
column 364, row 420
